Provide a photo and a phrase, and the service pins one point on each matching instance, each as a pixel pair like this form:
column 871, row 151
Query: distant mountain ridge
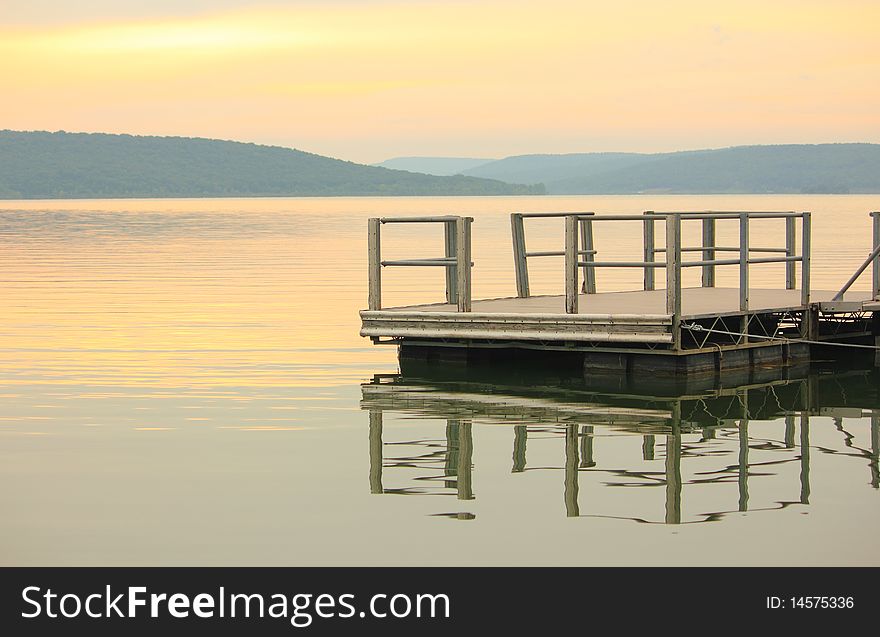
column 440, row 166
column 47, row 165
column 788, row 168
column 558, row 168
column 44, row 165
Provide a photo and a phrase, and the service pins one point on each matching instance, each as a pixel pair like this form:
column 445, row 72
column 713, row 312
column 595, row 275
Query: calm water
column 182, row 382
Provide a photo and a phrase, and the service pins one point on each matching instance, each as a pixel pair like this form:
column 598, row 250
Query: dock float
column 669, row 330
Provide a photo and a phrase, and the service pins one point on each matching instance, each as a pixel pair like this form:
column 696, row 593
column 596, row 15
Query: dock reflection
column 749, row 435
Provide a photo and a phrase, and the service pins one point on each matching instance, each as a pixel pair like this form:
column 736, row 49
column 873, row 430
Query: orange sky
column 371, row 79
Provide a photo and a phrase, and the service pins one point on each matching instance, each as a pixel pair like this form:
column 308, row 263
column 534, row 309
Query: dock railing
column 873, row 258
column 673, row 250
column 457, row 260
column 521, row 255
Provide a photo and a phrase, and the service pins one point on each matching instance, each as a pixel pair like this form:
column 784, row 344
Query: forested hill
column 790, row 168
column 42, row 165
column 434, row 165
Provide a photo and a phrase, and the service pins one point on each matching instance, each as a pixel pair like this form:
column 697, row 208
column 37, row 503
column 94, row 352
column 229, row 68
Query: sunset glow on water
column 182, row 383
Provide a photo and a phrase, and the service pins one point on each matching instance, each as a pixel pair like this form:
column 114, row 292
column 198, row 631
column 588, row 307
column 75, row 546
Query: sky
column 367, row 80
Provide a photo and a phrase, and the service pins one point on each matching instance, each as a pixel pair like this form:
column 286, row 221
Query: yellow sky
column 374, row 79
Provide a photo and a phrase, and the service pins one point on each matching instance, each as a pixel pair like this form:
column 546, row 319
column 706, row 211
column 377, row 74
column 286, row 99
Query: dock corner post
column 374, row 261
column 463, row 262
column 875, row 286
column 744, row 262
column 789, row 252
column 520, row 260
column 648, row 232
column 450, row 239
column 805, row 260
column 571, row 264
column 673, row 275
column 810, row 323
column 708, row 252
column 589, row 285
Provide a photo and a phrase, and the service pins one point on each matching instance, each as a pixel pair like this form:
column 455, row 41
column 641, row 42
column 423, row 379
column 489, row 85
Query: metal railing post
column 673, row 275
column 463, row 262
column 648, row 231
column 520, row 263
column 571, row 264
column 374, row 264
column 589, row 286
column 789, row 252
column 805, row 259
column 875, row 285
column 708, row 253
column 449, row 233
column 744, row 262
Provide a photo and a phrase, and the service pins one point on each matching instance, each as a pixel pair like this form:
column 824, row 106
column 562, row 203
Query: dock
column 662, row 329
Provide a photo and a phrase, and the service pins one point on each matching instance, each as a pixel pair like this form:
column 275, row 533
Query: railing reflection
column 694, row 428
column 875, row 451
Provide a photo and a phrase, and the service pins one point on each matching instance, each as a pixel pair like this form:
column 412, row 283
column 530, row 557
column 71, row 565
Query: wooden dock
column 670, row 330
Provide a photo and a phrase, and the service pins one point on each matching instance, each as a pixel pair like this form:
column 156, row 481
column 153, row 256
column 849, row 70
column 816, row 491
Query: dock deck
column 695, row 303
column 669, row 320
column 609, row 317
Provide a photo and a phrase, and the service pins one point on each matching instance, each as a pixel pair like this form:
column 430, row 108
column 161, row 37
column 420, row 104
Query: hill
column 433, row 165
column 793, row 168
column 555, row 168
column 42, row 165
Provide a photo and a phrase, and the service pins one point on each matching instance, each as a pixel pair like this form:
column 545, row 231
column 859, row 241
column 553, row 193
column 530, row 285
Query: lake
column 182, row 383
